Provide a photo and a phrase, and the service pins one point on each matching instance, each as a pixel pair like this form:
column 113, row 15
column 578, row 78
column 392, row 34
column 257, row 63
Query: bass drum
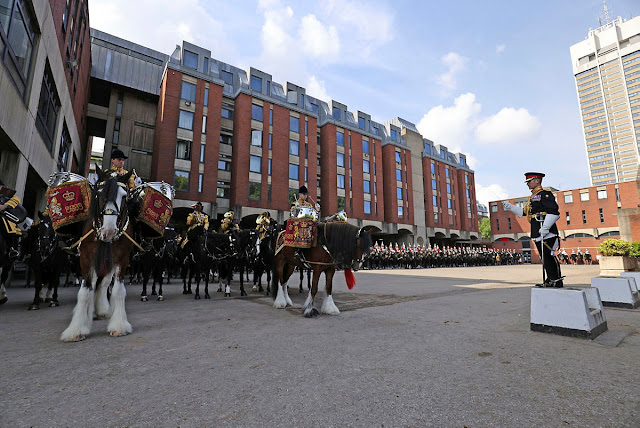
column 153, row 207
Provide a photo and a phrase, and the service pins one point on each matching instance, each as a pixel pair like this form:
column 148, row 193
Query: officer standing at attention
column 117, row 168
column 542, row 212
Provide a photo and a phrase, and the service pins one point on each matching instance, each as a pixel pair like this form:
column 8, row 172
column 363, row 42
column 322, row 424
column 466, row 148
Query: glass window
column 341, row 159
column 206, row 97
column 256, row 83
column 435, row 201
column 200, row 180
column 601, row 216
column 427, row 149
column 568, row 199
column 394, row 135
column 293, row 172
column 568, row 218
column 434, row 185
column 340, row 138
column 400, row 211
column 224, row 165
column 446, row 171
column 367, row 207
column 188, row 92
column 65, row 149
column 185, row 120
column 255, row 164
column 494, row 208
column 294, row 148
column 584, row 217
column 269, row 167
column 399, row 192
column 361, row 122
column 183, row 150
column 205, row 67
column 340, row 181
column 366, row 185
column 270, row 116
column 584, row 196
column 268, row 88
column 365, row 166
column 306, row 128
column 468, row 194
column 448, row 187
column 254, row 190
column 256, row 137
column 225, row 139
column 602, row 194
column 190, row 59
column 466, row 178
column 294, row 124
column 433, row 168
column 222, row 191
column 337, row 113
column 226, row 77
column 341, row 203
column 365, row 147
column 204, row 124
column 448, row 203
column 17, row 26
column 181, row 180
column 398, row 160
column 256, row 112
column 227, row 113
column 398, row 175
column 48, row 109
column 270, row 141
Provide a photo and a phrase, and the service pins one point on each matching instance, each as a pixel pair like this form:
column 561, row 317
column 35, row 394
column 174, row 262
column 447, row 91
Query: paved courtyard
column 411, row 348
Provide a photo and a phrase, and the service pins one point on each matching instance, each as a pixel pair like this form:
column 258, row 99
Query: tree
column 484, row 227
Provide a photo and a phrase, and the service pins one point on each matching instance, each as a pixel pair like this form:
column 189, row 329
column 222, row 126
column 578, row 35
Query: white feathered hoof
column 280, row 302
column 329, row 307
column 310, row 312
column 54, row 304
column 160, row 298
column 144, row 299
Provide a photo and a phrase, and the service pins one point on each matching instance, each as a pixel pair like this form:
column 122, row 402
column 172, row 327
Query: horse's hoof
column 160, row 298
column 206, row 296
column 54, row 304
column 143, row 299
column 189, row 292
column 219, row 290
column 76, row 339
column 117, row 333
column 244, row 293
column 313, row 313
column 197, row 297
column 3, row 300
column 34, row 307
column 184, row 292
column 47, row 300
column 153, row 293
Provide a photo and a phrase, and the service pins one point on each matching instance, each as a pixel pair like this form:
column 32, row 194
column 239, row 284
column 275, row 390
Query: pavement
column 447, row 347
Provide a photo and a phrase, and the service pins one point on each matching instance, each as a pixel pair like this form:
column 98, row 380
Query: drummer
column 117, row 167
column 263, row 222
column 9, row 228
column 303, row 201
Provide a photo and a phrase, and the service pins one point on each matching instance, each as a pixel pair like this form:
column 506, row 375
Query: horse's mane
column 341, row 240
column 110, row 189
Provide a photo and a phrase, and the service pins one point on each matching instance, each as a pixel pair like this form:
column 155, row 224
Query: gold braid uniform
column 121, row 171
column 10, row 226
column 263, row 223
column 194, row 219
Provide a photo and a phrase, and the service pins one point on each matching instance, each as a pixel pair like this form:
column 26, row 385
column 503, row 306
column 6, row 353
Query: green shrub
column 615, row 247
column 635, row 249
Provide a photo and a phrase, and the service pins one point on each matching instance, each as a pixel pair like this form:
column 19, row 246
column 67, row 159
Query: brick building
column 588, row 216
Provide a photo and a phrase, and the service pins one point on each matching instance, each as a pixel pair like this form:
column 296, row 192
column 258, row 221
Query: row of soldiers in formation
column 417, row 256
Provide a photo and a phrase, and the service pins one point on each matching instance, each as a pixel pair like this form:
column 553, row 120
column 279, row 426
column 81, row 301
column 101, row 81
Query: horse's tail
column 103, row 259
column 349, row 278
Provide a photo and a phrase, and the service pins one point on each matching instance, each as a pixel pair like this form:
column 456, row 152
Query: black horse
column 246, row 253
column 265, row 259
column 195, row 258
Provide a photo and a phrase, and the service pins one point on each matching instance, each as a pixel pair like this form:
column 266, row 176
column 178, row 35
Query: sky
column 492, row 79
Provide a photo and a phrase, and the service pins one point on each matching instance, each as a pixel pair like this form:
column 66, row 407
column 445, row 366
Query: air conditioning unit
column 187, row 103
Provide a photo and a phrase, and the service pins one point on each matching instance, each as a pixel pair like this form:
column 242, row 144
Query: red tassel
column 351, row 280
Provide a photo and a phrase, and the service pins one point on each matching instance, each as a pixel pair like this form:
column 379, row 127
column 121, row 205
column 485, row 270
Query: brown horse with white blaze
column 104, row 255
column 340, row 245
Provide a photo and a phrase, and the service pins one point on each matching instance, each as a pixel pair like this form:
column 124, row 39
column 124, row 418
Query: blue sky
column 490, row 79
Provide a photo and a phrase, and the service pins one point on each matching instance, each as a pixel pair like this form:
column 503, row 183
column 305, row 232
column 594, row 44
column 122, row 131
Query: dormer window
column 227, row 77
column 256, row 83
column 361, row 122
column 337, row 114
column 190, row 59
column 394, row 135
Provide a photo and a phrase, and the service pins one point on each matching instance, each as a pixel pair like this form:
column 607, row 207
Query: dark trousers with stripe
column 551, row 264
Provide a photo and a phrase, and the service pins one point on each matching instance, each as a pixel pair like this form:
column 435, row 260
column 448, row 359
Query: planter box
column 614, row 265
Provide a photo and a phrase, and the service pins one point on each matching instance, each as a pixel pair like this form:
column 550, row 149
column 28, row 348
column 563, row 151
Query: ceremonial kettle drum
column 156, row 207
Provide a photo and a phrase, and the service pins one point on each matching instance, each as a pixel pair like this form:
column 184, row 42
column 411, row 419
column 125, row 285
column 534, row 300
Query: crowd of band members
column 413, row 257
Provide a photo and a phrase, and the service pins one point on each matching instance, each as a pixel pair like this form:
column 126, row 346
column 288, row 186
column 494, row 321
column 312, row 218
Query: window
column 306, row 128
column 269, row 93
column 446, row 172
column 181, row 180
column 466, row 178
column 225, row 139
column 256, row 112
column 584, row 196
column 601, row 216
column 255, row 164
column 399, row 192
column 269, row 166
column 497, row 224
column 341, row 203
column 365, row 147
column 224, row 165
column 254, row 190
column 293, row 172
column 16, row 44
column 366, row 185
column 183, row 150
column 340, row 181
column 204, row 124
column 468, row 193
column 341, row 159
column 433, row 168
column 602, row 194
column 65, row 149
column 270, row 141
column 202, row 148
column 222, row 191
column 435, row 201
column 448, row 203
column 188, row 92
column 294, row 124
column 398, row 157
column 568, row 218
column 568, row 198
column 226, row 77
column 206, row 97
column 48, row 108
column 398, row 175
column 435, row 218
column 185, row 120
column 270, row 116
column 227, row 111
column 361, row 122
column 190, row 59
column 584, row 217
column 294, row 148
column 365, row 167
column 434, row 185
column 340, row 138
column 256, row 83
column 200, row 180
column 205, row 67
column 494, row 208
column 337, row 114
column 394, row 136
column 400, row 211
column 367, row 207
column 256, row 137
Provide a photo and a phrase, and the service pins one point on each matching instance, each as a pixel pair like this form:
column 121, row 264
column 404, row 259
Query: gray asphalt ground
column 411, row 348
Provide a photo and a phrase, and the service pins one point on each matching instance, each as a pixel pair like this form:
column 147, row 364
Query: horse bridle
column 97, row 223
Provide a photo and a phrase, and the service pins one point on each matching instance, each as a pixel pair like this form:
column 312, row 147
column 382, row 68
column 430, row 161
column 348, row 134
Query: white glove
column 137, row 181
column 549, row 221
column 506, row 206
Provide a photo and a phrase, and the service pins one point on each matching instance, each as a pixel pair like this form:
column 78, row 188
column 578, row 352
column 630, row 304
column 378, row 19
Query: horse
column 340, row 245
column 152, row 262
column 221, row 255
column 266, row 255
column 246, row 247
column 46, row 262
column 104, row 256
column 195, row 260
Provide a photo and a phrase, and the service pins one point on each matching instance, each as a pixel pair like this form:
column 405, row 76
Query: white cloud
column 508, row 126
column 492, row 192
column 316, row 89
column 318, row 40
column 455, row 63
column 500, row 48
column 451, row 126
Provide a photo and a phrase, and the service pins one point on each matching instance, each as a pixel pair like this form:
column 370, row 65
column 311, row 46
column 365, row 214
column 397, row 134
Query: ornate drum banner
column 69, row 204
column 155, row 212
column 300, row 233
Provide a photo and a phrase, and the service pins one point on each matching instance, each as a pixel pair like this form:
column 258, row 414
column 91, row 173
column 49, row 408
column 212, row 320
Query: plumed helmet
column 228, row 214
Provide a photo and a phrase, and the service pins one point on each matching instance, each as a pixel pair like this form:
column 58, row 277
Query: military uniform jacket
column 196, row 218
column 10, row 226
column 121, row 171
column 541, row 202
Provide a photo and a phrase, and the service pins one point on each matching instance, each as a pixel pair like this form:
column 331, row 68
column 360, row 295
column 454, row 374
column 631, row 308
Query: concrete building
column 588, row 216
column 606, row 66
column 44, row 82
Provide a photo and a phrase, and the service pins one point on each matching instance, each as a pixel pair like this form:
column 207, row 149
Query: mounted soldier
column 228, row 223
column 303, row 205
column 118, row 159
column 262, row 224
column 195, row 219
